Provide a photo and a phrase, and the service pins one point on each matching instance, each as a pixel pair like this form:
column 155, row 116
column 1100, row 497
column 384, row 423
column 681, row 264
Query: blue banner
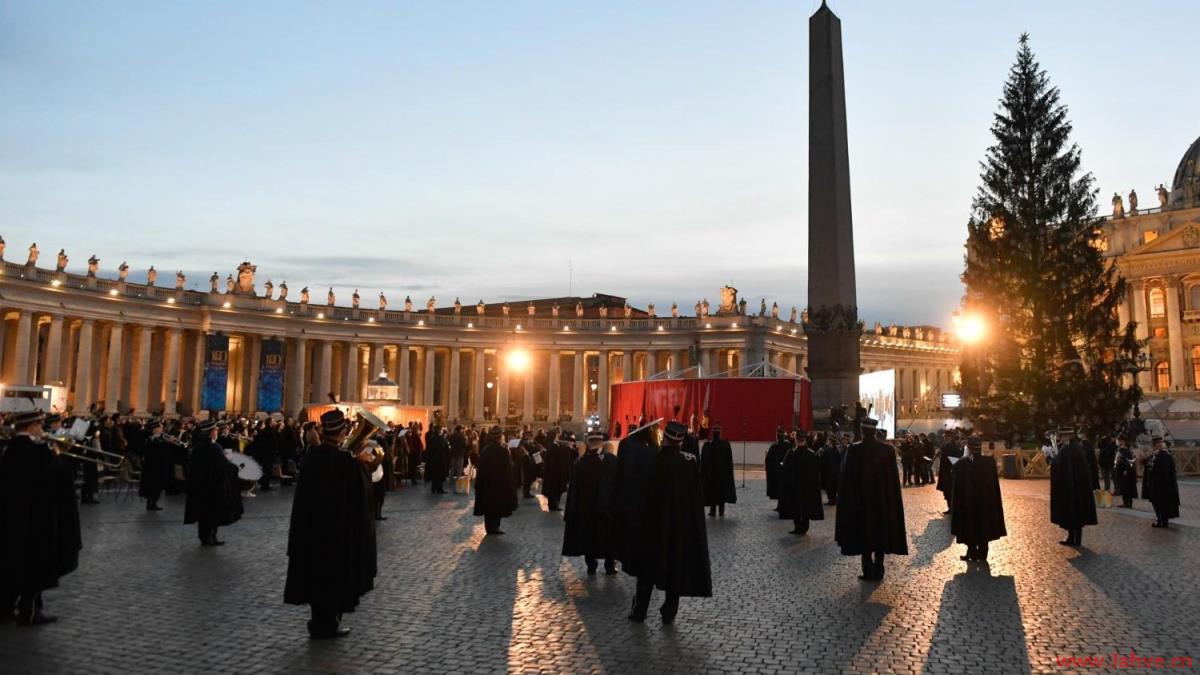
column 270, row 376
column 216, row 372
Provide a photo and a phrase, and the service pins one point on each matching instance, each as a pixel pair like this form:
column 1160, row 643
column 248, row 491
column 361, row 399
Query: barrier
column 1031, row 463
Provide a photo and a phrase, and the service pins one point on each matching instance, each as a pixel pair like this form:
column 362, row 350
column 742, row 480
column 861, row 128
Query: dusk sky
column 476, row 149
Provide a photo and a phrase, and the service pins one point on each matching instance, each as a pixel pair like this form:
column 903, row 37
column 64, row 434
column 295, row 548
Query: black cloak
column 213, row 494
column 437, row 456
column 976, row 509
column 772, row 463
column 635, row 469
column 158, row 466
column 495, row 489
column 870, row 512
column 945, row 477
column 556, row 468
column 586, row 514
column 1072, row 504
column 1164, row 487
column 716, row 471
column 800, row 480
column 1125, row 474
column 675, row 542
column 331, row 539
column 831, row 466
column 39, row 518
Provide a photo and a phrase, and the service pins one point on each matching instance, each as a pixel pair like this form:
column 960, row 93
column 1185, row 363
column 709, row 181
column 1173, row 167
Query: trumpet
column 63, row 441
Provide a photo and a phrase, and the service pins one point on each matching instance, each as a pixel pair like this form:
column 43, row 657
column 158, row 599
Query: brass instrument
column 64, row 441
column 358, row 440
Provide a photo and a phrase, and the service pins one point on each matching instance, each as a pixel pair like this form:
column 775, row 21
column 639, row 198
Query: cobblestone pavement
column 147, row 598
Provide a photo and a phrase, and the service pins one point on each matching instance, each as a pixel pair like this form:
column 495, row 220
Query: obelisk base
column 833, row 368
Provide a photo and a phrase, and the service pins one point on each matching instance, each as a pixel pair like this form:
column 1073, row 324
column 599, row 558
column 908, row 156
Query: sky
column 502, row 151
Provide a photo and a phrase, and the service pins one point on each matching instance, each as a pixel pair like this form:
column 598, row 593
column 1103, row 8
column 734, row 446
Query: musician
column 39, row 522
column 495, row 486
column 589, row 508
column 945, row 478
column 800, row 486
column 1125, row 474
column 773, row 460
column 213, row 495
column 1162, row 484
column 387, row 483
column 437, row 459
column 331, row 538
column 157, row 465
column 870, row 513
column 1072, row 505
column 976, row 508
column 99, row 432
column 556, row 469
column 716, row 472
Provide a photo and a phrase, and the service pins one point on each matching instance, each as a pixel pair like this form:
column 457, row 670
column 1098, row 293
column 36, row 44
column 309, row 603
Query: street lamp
column 970, row 327
column 518, row 360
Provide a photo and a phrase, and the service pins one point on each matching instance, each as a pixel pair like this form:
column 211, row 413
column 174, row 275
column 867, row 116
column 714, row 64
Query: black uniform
column 716, row 472
column 1164, row 487
column 157, row 469
column 801, row 488
column 556, row 471
column 1072, row 505
column 976, row 509
column 495, row 489
column 831, row 469
column 331, row 539
column 635, row 467
column 870, row 514
column 39, row 525
column 945, row 477
column 588, row 510
column 773, row 462
column 1107, row 457
column 437, row 460
column 1125, row 477
column 213, row 497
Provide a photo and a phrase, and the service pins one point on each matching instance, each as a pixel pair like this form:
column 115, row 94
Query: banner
column 748, row 408
column 216, row 372
column 270, row 376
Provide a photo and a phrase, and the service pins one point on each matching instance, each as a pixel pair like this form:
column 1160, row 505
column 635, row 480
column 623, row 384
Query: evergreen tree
column 1052, row 352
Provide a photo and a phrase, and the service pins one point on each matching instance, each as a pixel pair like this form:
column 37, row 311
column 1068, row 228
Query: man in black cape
column 1125, row 475
column 1072, row 504
column 437, row 459
column 945, row 478
column 716, row 471
column 213, row 495
column 801, row 486
column 870, row 513
column 589, row 506
column 331, row 538
column 1163, row 484
column 830, row 454
column 774, row 461
column 556, row 470
column 674, row 544
column 157, row 466
column 39, row 522
column 1107, row 457
column 495, row 486
column 635, row 467
column 976, row 509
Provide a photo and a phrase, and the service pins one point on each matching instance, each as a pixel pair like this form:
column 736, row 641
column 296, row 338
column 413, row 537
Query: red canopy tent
column 748, row 408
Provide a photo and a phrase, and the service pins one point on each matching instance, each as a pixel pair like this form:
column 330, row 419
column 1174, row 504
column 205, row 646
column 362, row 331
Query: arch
column 1158, row 303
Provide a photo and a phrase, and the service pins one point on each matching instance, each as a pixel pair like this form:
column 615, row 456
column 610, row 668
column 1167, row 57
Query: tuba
column 358, row 442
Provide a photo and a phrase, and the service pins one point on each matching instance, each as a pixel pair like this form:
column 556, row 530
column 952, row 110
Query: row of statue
column 1118, row 204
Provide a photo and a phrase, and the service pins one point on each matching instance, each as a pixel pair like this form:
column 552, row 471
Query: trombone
column 64, row 441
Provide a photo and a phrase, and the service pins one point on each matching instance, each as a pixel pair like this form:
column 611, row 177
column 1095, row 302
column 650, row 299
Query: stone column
column 1123, row 311
column 379, row 363
column 402, row 377
column 581, row 383
column 453, row 389
column 83, row 367
column 1143, row 328
column 527, row 401
column 478, row 389
column 141, row 387
column 323, row 368
column 251, row 364
column 196, row 386
column 53, row 371
column 554, row 386
column 430, row 366
column 112, row 379
column 602, row 388
column 651, row 363
column 350, row 363
column 23, row 348
column 296, row 375
column 1179, row 374
column 627, row 366
column 501, row 386
column 171, row 371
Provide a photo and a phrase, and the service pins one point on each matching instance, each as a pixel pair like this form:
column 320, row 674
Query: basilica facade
column 150, row 348
column 1157, row 249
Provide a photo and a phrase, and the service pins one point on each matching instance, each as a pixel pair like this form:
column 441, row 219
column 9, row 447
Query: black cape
column 945, row 477
column 716, row 471
column 1125, row 474
column 495, row 487
column 331, row 539
column 675, row 542
column 437, row 457
column 1164, row 486
column 635, row 469
column 772, row 463
column 800, row 481
column 831, row 466
column 870, row 512
column 39, row 518
column 976, row 509
column 556, row 468
column 587, row 511
column 213, row 494
column 157, row 466
column 1072, row 504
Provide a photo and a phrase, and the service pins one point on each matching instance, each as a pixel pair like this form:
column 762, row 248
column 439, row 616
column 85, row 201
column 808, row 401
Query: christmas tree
column 1052, row 352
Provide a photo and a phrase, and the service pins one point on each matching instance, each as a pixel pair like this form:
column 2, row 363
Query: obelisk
column 832, row 322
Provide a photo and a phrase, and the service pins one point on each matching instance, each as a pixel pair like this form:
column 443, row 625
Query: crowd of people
column 638, row 501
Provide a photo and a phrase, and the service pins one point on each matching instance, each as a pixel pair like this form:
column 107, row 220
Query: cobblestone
column 148, row 599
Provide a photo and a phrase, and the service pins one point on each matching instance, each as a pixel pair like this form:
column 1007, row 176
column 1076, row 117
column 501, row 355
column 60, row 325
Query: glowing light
column 708, row 325
column 518, row 360
column 470, row 325
column 518, row 326
column 661, row 328
column 971, row 328
column 113, row 292
column 421, row 322
column 320, row 315
column 735, row 325
column 279, row 310
column 370, row 319
column 612, row 329
column 170, row 301
column 56, row 283
column 226, row 305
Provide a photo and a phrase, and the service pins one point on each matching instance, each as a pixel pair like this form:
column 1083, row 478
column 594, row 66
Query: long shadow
column 935, row 539
column 979, row 625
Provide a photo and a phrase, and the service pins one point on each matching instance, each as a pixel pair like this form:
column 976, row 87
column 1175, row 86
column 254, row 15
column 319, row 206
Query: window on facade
column 1158, row 302
column 1162, row 376
column 1194, row 297
column 1159, row 331
column 1149, row 236
column 1196, row 366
